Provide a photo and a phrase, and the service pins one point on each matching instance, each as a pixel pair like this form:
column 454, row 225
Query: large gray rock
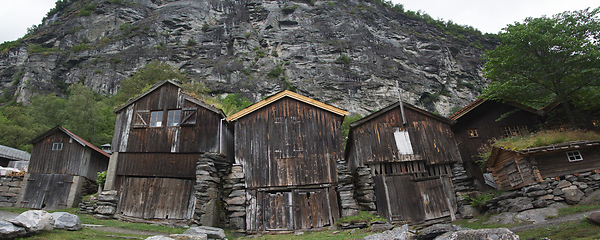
column 10, row 231
column 188, row 237
column 573, row 195
column 211, row 232
column 468, row 211
column 537, row 215
column 594, row 218
column 480, row 234
column 504, row 218
column 591, row 199
column 63, row 220
column 540, row 203
column 33, row 221
column 436, row 230
column 517, row 204
column 159, row 237
column 399, row 233
column 378, row 227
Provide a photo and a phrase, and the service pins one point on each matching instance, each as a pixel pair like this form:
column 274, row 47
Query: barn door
column 155, row 198
column 437, row 201
column 47, row 191
column 277, row 214
column 401, row 198
column 312, row 208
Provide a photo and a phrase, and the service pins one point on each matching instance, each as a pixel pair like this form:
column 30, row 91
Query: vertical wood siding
column 288, row 143
column 66, row 161
column 501, row 176
column 554, row 164
column 431, row 140
column 47, row 191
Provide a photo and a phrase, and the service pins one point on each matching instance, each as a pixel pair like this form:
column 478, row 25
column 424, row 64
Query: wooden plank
column 155, row 198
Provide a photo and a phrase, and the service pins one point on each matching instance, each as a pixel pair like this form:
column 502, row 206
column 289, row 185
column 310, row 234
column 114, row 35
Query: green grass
column 576, row 209
column 581, row 229
column 362, row 216
column 343, row 234
column 84, row 233
column 544, row 138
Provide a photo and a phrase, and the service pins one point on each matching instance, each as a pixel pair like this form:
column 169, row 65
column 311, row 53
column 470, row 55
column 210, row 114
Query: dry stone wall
column 345, row 190
column 10, row 187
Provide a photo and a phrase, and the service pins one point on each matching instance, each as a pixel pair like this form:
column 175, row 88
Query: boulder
column 436, row 230
column 494, row 233
column 211, row 232
column 379, row 227
column 159, row 237
column 188, row 237
column 503, row 218
column 10, row 231
column 468, row 211
column 594, row 218
column 33, row 221
column 517, row 204
column 67, row 221
column 591, row 199
column 541, row 203
column 399, row 233
column 573, row 195
column 105, row 210
column 537, row 215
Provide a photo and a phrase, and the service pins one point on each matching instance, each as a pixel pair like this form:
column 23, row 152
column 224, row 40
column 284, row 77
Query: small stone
column 571, row 178
column 558, row 199
column 557, row 192
column 563, row 184
column 547, row 197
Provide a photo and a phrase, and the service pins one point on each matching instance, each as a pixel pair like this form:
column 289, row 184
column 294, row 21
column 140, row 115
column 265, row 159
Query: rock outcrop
column 349, row 54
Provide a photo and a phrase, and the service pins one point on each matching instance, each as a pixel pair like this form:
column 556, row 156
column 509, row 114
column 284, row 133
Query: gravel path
column 553, row 221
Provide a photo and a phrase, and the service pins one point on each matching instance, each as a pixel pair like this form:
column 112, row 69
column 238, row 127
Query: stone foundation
column 365, row 191
column 569, row 189
column 10, row 187
column 208, row 189
column 462, row 185
column 345, row 190
column 234, row 192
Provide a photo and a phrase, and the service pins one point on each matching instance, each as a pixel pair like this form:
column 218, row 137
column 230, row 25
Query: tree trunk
column 567, row 107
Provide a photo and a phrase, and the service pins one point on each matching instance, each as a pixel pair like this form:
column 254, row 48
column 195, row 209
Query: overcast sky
column 486, row 15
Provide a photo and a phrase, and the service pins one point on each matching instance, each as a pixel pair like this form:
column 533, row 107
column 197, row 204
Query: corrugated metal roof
column 14, row 154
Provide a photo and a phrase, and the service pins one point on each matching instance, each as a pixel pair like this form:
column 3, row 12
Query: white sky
column 486, row 15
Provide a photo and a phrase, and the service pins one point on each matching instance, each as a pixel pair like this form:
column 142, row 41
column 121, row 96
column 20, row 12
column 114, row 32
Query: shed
column 62, row 164
column 410, row 153
column 8, row 155
column 288, row 146
column 159, row 136
column 483, row 120
column 515, row 169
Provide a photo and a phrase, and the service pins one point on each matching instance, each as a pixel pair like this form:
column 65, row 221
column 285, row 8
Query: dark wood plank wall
column 98, row 163
column 431, row 139
column 158, row 165
column 501, row 176
column 203, row 136
column 554, row 164
column 288, row 143
column 483, row 118
column 47, row 191
column 66, row 161
column 155, row 198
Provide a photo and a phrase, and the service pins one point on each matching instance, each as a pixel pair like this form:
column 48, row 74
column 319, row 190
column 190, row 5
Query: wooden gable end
column 166, row 120
column 59, row 153
column 511, row 170
column 288, row 143
column 385, row 139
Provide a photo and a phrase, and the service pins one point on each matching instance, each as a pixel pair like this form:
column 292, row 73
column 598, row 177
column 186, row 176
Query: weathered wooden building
column 516, row 169
column 410, row 153
column 288, row 146
column 483, row 120
column 8, row 155
column 159, row 136
column 61, row 164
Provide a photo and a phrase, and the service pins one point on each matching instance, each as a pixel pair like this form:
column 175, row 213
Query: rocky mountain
column 351, row 54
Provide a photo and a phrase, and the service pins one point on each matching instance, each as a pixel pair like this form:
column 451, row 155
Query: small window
column 512, row 131
column 57, row 146
column 472, row 133
column 173, row 118
column 156, row 119
column 574, row 156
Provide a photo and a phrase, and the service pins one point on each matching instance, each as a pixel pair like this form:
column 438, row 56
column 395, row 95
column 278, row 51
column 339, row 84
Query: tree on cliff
column 144, row 78
column 547, row 59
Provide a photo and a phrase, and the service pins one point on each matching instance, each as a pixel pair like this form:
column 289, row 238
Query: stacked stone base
column 10, row 187
column 234, row 192
column 365, row 191
column 345, row 188
column 569, row 189
column 210, row 169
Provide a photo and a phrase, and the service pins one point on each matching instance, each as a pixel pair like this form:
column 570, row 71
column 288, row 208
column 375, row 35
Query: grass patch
column 581, row 229
column 362, row 216
column 544, row 138
column 346, row 234
column 576, row 209
column 84, row 233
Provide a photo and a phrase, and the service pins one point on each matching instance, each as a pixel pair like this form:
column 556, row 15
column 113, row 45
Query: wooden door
column 47, row 191
column 277, row 211
column 312, row 208
column 438, row 197
column 155, row 198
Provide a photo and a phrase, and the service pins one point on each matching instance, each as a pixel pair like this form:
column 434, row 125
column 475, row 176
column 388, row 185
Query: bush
column 260, row 54
column 205, row 27
column 116, row 60
column 275, row 72
column 101, row 180
column 343, row 59
column 191, row 42
column 79, row 47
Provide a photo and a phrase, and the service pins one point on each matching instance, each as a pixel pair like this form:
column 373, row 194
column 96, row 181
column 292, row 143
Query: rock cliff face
column 350, row 54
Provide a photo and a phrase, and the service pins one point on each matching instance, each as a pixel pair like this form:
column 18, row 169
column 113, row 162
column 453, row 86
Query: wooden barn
column 159, row 136
column 516, row 169
column 483, row 120
column 61, row 165
column 410, row 153
column 288, row 146
column 8, row 155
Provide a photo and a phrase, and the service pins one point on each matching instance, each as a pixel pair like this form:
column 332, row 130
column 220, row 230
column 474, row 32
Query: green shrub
column 84, row 13
column 343, row 59
column 275, row 72
column 481, row 199
column 260, row 54
column 116, row 60
column 248, row 34
column 79, row 47
column 274, row 53
column 118, row 2
column 98, row 71
column 205, row 27
column 101, row 180
column 191, row 42
column 7, row 45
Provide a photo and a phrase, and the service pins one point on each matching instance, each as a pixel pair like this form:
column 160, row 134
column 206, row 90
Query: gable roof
column 480, row 101
column 187, row 96
column 395, row 105
column 280, row 95
column 13, row 154
column 70, row 134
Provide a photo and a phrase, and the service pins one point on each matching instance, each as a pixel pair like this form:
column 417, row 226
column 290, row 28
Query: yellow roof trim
column 281, row 95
